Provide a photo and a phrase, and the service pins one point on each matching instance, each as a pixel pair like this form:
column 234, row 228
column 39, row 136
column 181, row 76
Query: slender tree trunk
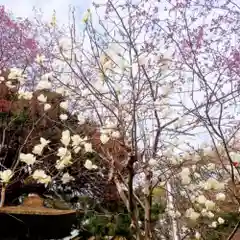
column 3, row 194
column 147, row 203
column 174, row 222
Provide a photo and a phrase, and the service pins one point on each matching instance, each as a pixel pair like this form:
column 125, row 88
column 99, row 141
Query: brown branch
column 234, row 231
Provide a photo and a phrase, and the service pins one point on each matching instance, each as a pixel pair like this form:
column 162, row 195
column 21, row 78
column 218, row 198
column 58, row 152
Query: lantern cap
column 33, row 205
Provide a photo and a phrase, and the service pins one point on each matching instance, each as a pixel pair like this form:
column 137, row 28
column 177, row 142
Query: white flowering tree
column 160, row 83
column 45, row 147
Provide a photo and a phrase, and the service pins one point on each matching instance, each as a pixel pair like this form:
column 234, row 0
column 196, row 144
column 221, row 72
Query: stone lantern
column 31, row 220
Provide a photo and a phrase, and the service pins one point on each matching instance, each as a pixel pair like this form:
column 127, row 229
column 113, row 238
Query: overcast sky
column 23, row 8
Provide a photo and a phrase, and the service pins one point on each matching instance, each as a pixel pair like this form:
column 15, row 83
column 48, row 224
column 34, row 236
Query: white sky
column 24, row 8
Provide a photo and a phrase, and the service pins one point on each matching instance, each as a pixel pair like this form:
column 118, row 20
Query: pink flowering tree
column 18, row 45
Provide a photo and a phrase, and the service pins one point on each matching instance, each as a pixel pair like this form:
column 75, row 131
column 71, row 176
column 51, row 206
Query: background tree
column 19, row 47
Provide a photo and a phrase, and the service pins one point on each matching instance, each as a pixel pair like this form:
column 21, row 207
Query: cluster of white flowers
column 61, row 90
column 152, row 162
column 89, row 165
column 47, row 106
column 42, row 99
column 41, row 177
column 44, row 83
column 213, row 184
column 104, row 138
column 40, row 59
column 25, row 95
column 66, row 178
column 220, row 196
column 77, row 144
column 6, row 176
column 219, row 221
column 185, row 176
column 192, row 214
column 38, row 149
column 64, row 105
column 18, row 74
column 65, row 158
column 107, row 132
column 66, row 138
column 81, row 119
column 28, row 158
column 197, row 235
column 63, row 117
column 70, row 144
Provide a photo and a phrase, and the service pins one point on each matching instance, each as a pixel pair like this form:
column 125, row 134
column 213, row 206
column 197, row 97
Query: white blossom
column 63, row 117
column 185, row 179
column 66, row 178
column 65, row 158
column 9, row 84
column 47, row 76
column 104, row 138
column 204, row 212
column 197, row 175
column 212, row 183
column 38, row 149
column 41, row 98
column 66, row 138
column 185, row 171
column 64, row 162
column 25, row 95
column 40, row 59
column 191, row 214
column 88, row 147
column 16, row 73
column 64, row 105
column 152, row 162
column 76, row 140
column 210, row 205
column 44, row 142
column 6, row 175
column 81, row 119
column 28, row 158
column 221, row 220
column 89, row 165
column 62, row 152
column 116, row 134
column 76, row 149
column 41, row 177
column 213, row 224
column 220, row 197
column 194, row 167
column 47, row 106
column 60, row 90
column 201, row 199
column 197, row 235
column 44, row 84
column 210, row 214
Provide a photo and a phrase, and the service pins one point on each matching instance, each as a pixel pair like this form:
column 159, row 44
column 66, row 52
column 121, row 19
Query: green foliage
column 101, row 225
column 115, row 223
column 3, row 115
column 223, row 231
column 156, row 209
column 20, row 118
